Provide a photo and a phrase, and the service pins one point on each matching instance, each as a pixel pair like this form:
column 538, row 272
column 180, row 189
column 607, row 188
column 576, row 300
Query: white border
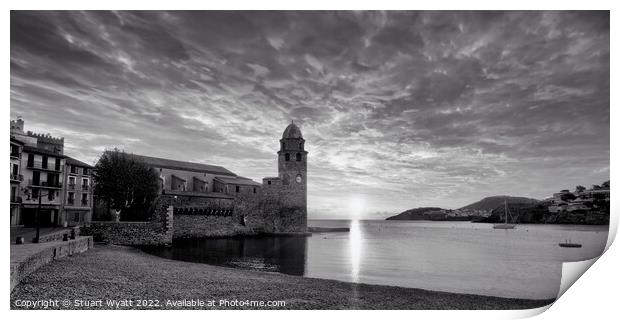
column 592, row 296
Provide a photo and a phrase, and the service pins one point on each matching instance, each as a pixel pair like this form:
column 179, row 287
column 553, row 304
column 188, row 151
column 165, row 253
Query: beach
column 119, row 273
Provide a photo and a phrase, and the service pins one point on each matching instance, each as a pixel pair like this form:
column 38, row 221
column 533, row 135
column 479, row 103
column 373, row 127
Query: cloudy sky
column 398, row 109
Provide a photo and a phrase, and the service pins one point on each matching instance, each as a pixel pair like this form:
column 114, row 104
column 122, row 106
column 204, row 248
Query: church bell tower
column 292, row 171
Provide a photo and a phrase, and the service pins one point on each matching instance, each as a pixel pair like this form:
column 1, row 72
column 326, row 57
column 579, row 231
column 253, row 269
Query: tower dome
column 292, row 132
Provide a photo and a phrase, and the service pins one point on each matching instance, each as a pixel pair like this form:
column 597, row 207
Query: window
column 52, row 180
column 15, row 169
column 85, row 183
column 76, row 217
column 30, row 160
column 35, row 193
column 301, row 146
column 57, row 164
column 72, row 181
column 44, row 163
column 287, row 157
column 298, row 156
column 236, row 188
column 84, row 199
column 269, row 182
column 51, row 195
column 13, row 194
column 85, row 171
column 282, row 145
column 73, row 169
column 71, row 199
column 254, row 190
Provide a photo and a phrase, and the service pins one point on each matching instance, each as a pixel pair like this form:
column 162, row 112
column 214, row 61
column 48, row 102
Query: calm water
column 459, row 257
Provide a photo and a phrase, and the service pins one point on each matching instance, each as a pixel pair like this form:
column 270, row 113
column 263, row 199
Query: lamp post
column 37, row 218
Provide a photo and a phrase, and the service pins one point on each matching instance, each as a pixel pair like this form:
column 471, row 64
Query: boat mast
column 505, row 212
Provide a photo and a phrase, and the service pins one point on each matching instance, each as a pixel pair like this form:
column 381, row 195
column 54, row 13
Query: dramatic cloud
column 399, row 109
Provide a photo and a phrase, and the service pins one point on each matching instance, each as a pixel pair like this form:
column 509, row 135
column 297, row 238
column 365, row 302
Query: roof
column 76, row 162
column 15, row 140
column 238, row 180
column 32, row 149
column 292, row 132
column 183, row 165
column 198, row 194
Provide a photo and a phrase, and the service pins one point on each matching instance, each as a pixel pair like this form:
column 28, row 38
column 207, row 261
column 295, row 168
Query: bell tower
column 292, row 171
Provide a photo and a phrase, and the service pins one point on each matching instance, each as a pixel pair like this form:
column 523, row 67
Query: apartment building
column 77, row 205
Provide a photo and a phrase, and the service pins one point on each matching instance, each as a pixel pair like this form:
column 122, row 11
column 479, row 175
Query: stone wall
column 281, row 211
column 213, row 215
column 156, row 232
column 276, row 209
column 129, row 233
column 27, row 258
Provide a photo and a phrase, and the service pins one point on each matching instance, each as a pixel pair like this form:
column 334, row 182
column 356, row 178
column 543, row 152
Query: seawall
column 27, row 258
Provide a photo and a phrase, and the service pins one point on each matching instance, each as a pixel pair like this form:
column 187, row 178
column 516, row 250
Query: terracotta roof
column 183, row 165
column 76, row 162
column 236, row 180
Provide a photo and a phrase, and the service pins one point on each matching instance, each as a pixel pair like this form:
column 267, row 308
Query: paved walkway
column 26, row 258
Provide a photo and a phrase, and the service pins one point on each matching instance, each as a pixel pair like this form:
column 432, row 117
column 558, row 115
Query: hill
column 414, row 214
column 490, row 203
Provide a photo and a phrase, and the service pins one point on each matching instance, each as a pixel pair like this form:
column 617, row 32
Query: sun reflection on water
column 355, row 247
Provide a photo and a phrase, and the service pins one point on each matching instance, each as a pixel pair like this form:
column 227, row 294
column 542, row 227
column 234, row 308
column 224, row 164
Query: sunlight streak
column 355, row 242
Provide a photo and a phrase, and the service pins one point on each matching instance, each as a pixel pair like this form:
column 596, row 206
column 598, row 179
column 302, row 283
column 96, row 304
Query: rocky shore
column 125, row 273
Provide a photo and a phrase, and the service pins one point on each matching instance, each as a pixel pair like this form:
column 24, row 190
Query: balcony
column 70, row 202
column 16, row 199
column 39, row 166
column 84, row 203
column 15, row 155
column 45, row 184
column 85, row 187
column 17, row 177
column 33, row 202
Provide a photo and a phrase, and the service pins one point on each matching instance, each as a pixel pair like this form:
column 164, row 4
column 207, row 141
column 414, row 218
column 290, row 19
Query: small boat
column 568, row 244
column 505, row 225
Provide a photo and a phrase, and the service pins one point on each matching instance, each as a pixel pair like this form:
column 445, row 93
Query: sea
column 459, row 257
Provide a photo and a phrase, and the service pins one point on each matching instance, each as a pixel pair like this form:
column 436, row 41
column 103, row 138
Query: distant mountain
column 414, row 214
column 490, row 203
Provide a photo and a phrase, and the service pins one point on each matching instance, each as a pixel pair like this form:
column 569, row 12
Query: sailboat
column 505, row 225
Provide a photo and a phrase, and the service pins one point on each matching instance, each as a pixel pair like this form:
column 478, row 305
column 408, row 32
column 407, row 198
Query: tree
column 605, row 185
column 580, row 189
column 126, row 183
column 568, row 196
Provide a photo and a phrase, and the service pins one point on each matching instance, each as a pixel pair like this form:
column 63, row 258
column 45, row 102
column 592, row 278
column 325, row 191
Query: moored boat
column 505, row 225
column 568, row 244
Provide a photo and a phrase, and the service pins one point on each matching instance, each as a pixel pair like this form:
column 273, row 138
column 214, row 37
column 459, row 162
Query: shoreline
column 118, row 273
